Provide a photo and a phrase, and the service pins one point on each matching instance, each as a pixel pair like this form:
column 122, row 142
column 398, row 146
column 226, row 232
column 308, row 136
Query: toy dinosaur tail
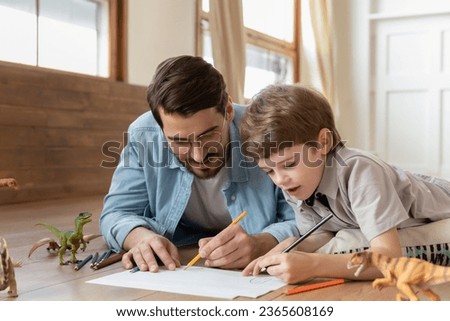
column 52, row 229
column 7, row 275
column 4, row 265
column 439, row 274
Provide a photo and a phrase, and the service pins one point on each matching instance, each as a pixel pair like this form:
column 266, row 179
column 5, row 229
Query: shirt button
column 233, row 197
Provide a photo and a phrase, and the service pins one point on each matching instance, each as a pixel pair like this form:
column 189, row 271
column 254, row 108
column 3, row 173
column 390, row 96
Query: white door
column 411, row 85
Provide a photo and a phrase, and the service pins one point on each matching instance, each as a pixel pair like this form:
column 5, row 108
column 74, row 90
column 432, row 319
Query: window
column 69, row 35
column 272, row 51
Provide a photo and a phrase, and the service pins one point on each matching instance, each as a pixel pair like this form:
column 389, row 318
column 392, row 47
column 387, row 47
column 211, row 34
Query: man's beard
column 207, row 168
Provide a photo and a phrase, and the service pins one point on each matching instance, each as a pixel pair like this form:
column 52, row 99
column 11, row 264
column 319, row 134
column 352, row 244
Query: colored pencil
column 135, row 269
column 304, row 236
column 83, row 263
column 315, row 286
column 116, row 257
column 94, row 259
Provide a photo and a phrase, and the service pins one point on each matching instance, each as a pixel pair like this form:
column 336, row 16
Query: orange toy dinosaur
column 402, row 272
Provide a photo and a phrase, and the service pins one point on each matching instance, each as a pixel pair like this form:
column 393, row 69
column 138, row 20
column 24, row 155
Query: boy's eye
column 268, row 171
column 290, row 165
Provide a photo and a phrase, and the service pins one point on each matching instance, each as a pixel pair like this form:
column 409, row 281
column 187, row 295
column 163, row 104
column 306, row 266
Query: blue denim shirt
column 151, row 188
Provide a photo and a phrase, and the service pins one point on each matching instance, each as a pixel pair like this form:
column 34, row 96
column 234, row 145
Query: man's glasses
column 206, row 140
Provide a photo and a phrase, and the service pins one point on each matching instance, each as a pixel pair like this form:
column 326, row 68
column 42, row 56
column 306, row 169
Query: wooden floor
column 42, row 278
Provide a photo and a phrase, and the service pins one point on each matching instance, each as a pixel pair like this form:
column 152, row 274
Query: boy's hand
column 254, row 267
column 291, row 267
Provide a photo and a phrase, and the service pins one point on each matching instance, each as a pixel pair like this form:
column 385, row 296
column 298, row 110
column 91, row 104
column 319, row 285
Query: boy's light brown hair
column 281, row 116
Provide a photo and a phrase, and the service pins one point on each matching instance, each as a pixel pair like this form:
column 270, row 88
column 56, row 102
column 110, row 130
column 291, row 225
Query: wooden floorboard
column 42, row 278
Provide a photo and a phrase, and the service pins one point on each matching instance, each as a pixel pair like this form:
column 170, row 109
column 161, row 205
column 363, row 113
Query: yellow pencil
column 197, row 257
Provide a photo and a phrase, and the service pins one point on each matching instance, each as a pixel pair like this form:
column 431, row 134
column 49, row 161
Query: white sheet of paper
column 200, row 281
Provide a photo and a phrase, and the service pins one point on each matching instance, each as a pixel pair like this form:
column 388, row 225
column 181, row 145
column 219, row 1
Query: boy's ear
column 325, row 140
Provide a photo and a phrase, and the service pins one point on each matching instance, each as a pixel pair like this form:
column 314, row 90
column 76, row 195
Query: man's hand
column 144, row 246
column 233, row 248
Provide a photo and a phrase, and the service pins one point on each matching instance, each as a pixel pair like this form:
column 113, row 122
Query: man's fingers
column 145, row 258
column 202, row 242
column 127, row 262
column 169, row 257
column 223, row 256
column 219, row 240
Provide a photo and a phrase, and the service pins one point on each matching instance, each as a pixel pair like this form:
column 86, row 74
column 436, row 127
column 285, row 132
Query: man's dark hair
column 185, row 85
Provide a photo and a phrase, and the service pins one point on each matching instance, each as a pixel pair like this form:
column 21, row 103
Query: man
column 182, row 178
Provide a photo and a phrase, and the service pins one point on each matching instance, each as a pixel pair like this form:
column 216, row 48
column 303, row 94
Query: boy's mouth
column 293, row 189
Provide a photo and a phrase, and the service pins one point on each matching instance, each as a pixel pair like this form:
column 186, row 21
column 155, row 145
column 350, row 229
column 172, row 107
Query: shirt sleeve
column 373, row 197
column 126, row 205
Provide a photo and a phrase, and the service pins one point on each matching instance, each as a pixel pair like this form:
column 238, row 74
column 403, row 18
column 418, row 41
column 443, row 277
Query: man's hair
column 281, row 116
column 185, row 85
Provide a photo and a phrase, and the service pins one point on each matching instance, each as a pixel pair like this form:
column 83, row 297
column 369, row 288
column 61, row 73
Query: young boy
column 290, row 132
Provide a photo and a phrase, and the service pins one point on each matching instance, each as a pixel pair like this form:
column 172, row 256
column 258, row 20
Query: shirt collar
column 238, row 162
column 329, row 182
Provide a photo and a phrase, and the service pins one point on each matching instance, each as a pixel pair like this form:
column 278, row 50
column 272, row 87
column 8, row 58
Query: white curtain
column 228, row 44
column 319, row 56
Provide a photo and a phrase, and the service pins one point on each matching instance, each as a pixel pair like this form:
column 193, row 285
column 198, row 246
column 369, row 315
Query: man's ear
column 229, row 110
column 325, row 140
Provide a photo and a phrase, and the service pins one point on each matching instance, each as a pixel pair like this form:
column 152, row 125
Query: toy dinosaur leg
column 73, row 251
column 382, row 282
column 61, row 252
column 406, row 289
column 401, row 297
column 430, row 294
column 12, row 282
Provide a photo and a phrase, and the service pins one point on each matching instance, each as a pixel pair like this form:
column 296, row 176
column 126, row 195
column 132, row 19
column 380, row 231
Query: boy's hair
column 281, row 116
column 185, row 85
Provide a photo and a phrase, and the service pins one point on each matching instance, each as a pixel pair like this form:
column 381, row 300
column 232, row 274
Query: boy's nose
column 280, row 179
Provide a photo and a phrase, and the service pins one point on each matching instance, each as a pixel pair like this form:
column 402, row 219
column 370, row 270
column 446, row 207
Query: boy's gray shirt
column 367, row 193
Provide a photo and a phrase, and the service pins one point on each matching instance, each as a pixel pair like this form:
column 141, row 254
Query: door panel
column 412, row 92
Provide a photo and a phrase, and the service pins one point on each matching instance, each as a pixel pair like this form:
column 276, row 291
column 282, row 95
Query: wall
column 41, row 106
column 158, row 29
column 353, row 20
column 52, row 129
column 53, row 124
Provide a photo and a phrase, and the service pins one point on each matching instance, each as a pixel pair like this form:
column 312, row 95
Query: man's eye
column 181, row 144
column 268, row 172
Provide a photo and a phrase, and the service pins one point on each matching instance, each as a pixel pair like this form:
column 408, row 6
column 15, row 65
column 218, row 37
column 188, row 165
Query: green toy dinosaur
column 70, row 240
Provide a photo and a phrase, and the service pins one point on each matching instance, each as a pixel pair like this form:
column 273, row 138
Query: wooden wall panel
column 52, row 129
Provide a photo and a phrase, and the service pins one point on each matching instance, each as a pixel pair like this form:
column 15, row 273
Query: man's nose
column 197, row 152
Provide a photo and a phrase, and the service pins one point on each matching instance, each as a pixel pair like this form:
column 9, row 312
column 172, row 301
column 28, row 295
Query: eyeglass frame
column 189, row 143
